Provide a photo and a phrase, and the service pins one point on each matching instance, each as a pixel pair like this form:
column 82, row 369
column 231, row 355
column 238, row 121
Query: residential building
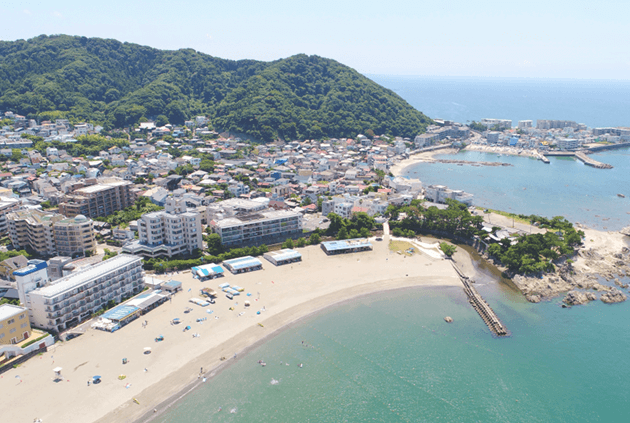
column 258, row 227
column 101, row 199
column 14, row 324
column 524, row 124
column 341, row 206
column 49, row 234
column 440, row 193
column 167, row 233
column 567, row 143
column 502, row 123
column 551, row 124
column 74, row 298
column 7, row 205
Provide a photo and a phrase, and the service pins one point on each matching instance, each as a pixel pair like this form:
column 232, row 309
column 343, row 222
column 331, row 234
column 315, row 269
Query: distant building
column 501, row 123
column 98, row 200
column 553, row 124
column 50, row 234
column 7, row 205
column 524, row 124
column 567, row 143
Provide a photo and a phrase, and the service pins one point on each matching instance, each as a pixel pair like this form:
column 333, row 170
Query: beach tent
column 207, row 271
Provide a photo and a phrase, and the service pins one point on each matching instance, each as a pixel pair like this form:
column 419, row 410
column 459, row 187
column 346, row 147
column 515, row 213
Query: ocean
column 390, row 357
column 595, row 103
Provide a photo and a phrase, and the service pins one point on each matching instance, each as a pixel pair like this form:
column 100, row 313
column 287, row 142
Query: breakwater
column 481, row 306
column 592, row 162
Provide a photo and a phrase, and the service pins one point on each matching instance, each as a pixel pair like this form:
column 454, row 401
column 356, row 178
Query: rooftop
column 346, row 244
column 284, row 254
column 243, row 262
column 74, row 280
column 9, row 310
column 101, row 187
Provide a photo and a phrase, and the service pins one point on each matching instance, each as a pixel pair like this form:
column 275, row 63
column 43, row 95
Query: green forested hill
column 117, row 84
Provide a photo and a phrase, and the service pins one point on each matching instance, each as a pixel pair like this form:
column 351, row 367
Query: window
column 1, row 335
column 21, row 316
column 9, row 322
column 12, row 330
column 23, row 325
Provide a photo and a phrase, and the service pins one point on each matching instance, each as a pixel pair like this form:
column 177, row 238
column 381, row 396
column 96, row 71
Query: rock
column 591, row 296
column 448, row 319
column 614, row 296
column 533, row 298
column 576, row 298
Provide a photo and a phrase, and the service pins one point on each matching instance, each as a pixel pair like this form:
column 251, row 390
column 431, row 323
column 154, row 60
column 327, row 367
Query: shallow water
column 565, row 187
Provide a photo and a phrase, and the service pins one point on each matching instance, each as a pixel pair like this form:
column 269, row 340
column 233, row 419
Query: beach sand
column 288, row 293
column 399, row 167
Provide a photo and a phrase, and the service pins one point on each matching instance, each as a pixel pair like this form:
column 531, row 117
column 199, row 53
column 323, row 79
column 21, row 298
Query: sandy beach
column 399, row 167
column 286, row 293
column 503, row 149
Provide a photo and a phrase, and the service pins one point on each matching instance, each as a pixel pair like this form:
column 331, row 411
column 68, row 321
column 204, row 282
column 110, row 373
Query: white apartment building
column 7, row 205
column 503, row 123
column 168, row 233
column 258, row 227
column 439, row 194
column 341, row 206
column 567, row 143
column 74, row 298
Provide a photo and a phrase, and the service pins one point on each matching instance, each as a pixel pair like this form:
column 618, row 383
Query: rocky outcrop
column 579, row 298
column 448, row 319
column 533, row 298
column 614, row 296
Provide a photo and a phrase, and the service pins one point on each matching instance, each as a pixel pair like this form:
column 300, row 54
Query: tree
column 448, row 249
column 301, row 242
column 343, row 233
column 315, row 239
column 161, row 120
column 215, row 247
column 288, row 243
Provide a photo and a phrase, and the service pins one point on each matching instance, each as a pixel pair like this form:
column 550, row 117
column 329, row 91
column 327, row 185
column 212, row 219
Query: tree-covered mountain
column 118, row 84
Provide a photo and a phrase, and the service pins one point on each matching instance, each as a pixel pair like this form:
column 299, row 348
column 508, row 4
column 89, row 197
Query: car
column 379, row 239
column 229, row 296
column 325, row 219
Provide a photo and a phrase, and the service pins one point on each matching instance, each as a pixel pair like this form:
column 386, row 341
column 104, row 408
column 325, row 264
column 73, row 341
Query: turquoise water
column 564, row 187
column 391, row 357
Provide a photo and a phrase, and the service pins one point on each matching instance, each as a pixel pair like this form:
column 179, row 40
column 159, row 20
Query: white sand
column 288, row 293
column 426, row 156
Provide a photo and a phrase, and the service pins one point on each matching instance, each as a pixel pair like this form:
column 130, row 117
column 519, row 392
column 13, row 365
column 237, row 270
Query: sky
column 582, row 39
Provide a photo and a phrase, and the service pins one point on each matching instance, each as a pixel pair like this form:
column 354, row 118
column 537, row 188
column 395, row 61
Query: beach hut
column 243, row 264
column 207, row 271
column 346, row 246
column 284, row 256
column 172, row 286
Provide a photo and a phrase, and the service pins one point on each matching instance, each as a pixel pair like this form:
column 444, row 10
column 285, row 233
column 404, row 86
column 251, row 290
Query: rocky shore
column 585, row 276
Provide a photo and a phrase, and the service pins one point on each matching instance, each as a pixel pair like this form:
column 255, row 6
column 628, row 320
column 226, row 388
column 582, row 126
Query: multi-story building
column 14, row 324
column 567, row 143
column 50, row 234
column 167, row 233
column 74, row 298
column 440, row 193
column 341, row 206
column 551, row 124
column 524, row 124
column 258, row 227
column 7, row 205
column 98, row 200
column 501, row 123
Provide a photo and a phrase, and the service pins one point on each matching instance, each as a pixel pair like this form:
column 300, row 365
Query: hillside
column 117, row 84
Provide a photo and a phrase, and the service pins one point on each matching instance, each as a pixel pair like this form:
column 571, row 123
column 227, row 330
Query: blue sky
column 539, row 39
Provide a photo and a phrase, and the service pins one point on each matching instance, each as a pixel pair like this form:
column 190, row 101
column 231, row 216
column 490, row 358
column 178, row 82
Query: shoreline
column 174, row 399
column 286, row 294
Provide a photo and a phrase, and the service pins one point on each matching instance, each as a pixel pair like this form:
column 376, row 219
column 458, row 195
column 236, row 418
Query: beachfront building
column 14, row 324
column 74, row 298
column 284, row 256
column 346, row 246
column 98, row 200
column 207, row 271
column 258, row 227
column 243, row 264
column 119, row 316
column 49, row 234
column 173, row 231
column 341, row 206
column 440, row 193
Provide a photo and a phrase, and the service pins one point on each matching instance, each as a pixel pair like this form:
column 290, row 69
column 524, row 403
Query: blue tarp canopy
column 207, row 270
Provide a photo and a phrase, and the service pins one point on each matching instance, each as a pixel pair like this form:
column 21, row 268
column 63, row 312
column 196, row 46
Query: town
column 85, row 213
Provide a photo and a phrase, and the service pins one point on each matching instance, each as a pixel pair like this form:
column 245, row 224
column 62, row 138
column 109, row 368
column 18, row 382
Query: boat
column 621, row 196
